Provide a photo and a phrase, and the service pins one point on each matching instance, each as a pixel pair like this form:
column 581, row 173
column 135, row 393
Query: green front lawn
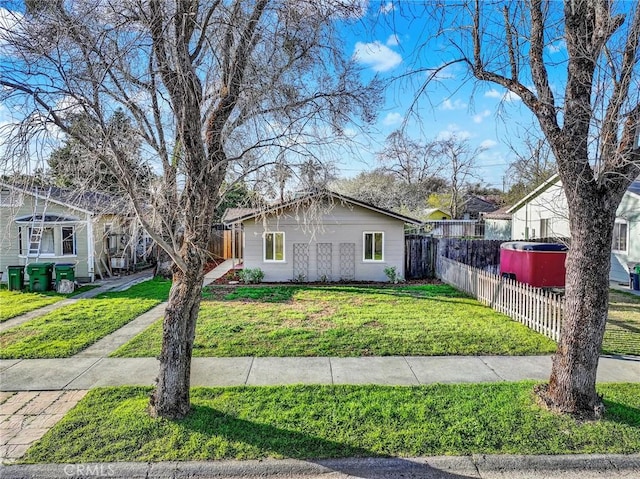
column 622, row 334
column 68, row 330
column 309, row 422
column 423, row 320
column 15, row 303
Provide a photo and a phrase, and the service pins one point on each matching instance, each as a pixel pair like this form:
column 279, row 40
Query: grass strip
column 15, row 303
column 68, row 330
column 309, row 422
column 622, row 333
column 347, row 321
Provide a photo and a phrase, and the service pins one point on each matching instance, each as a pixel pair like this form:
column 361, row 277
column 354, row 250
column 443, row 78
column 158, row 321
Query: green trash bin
column 16, row 278
column 65, row 271
column 40, row 275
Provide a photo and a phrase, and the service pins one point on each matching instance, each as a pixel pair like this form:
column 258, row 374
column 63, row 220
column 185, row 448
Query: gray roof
column 635, row 187
column 499, row 214
column 88, row 201
column 230, row 217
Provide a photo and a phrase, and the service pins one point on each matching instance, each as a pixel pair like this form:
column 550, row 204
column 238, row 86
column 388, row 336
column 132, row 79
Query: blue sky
column 384, row 43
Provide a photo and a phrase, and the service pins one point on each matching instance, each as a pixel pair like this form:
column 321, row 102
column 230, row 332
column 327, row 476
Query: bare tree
column 460, row 160
column 411, row 161
column 534, row 162
column 591, row 125
column 204, row 83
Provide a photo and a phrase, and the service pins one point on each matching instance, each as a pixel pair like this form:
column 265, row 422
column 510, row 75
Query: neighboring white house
column 497, row 224
column 58, row 225
column 543, row 213
column 323, row 236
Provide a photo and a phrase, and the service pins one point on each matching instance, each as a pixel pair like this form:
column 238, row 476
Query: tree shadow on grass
column 328, row 454
column 621, row 413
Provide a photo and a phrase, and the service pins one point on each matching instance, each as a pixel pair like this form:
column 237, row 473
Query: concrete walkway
column 219, row 271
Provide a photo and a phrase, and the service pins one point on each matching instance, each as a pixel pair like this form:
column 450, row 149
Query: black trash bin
column 16, row 278
column 634, row 281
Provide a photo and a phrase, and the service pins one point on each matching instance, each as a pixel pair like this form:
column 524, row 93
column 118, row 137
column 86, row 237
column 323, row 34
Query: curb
column 445, row 467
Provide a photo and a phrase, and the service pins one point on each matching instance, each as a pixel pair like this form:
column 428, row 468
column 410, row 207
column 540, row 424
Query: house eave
column 324, row 193
column 51, row 200
column 539, row 190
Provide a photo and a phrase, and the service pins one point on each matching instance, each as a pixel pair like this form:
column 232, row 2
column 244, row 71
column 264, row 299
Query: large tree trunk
column 164, row 265
column 171, row 396
column 573, row 376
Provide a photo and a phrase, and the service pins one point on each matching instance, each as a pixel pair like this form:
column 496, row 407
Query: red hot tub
column 537, row 264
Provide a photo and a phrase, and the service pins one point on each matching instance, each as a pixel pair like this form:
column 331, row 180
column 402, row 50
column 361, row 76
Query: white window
column 42, row 241
column 373, row 248
column 274, row 246
column 620, row 235
column 545, row 228
column 68, row 241
column 10, row 198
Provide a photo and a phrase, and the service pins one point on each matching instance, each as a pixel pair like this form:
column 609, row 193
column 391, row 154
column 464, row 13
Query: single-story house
column 473, row 206
column 436, row 214
column 322, row 236
column 59, row 225
column 543, row 213
column 497, row 224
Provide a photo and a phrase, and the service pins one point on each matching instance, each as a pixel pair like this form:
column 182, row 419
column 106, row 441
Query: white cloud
column 556, row 47
column 453, row 105
column 443, row 72
column 392, row 118
column 453, row 130
column 386, row 8
column 486, row 144
column 510, row 96
column 479, row 118
column 377, row 56
column 507, row 96
column 8, row 23
column 393, row 40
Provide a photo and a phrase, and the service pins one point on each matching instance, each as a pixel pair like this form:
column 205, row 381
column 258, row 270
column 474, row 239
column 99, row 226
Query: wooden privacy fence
column 420, row 256
column 220, row 245
column 421, row 253
column 536, row 308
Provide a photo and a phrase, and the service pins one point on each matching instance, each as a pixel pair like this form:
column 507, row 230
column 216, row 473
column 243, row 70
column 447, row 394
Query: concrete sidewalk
column 86, row 371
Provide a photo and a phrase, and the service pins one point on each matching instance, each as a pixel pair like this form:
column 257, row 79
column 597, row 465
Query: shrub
column 392, row 274
column 251, row 275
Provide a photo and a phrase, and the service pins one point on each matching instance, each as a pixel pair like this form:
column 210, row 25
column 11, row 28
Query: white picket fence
column 536, row 308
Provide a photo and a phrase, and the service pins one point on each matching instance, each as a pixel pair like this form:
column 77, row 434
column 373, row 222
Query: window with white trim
column 50, row 241
column 274, row 246
column 545, row 228
column 42, row 241
column 10, row 198
column 373, row 247
column 620, row 235
column 68, row 241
